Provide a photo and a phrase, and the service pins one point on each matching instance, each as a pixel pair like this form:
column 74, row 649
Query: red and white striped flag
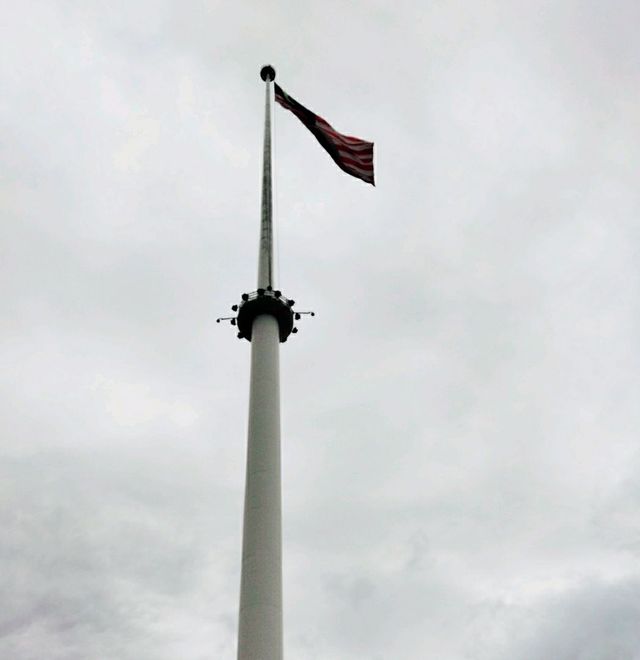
column 353, row 155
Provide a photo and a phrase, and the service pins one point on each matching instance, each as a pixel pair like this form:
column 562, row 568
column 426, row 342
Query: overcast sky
column 460, row 419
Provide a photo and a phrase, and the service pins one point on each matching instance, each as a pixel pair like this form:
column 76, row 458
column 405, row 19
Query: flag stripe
column 362, row 147
column 356, row 166
column 347, row 139
column 360, row 153
column 351, row 154
column 363, row 160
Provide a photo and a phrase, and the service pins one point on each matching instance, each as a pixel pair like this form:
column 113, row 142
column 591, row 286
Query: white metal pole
column 260, row 623
column 260, row 631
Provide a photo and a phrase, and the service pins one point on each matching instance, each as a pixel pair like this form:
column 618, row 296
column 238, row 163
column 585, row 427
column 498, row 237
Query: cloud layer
column 460, row 418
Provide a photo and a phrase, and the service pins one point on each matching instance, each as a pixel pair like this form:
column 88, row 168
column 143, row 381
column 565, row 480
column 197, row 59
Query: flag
column 353, row 155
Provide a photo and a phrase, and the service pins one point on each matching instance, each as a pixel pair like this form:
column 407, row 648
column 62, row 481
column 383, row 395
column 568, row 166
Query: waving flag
column 353, row 155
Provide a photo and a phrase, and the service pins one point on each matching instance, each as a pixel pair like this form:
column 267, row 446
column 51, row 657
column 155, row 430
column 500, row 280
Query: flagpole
column 263, row 318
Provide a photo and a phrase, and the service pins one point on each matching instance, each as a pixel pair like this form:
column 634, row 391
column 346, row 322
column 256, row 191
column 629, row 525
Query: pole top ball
column 268, row 73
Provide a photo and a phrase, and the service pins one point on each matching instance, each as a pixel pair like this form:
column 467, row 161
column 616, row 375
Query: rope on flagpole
column 274, row 200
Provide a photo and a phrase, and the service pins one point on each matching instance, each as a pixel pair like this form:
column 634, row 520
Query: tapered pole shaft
column 260, row 624
column 265, row 258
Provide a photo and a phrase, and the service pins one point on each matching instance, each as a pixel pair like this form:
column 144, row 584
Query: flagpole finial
column 268, row 73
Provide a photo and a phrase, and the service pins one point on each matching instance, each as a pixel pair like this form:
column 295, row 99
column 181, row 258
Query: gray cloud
column 460, row 445
column 589, row 622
